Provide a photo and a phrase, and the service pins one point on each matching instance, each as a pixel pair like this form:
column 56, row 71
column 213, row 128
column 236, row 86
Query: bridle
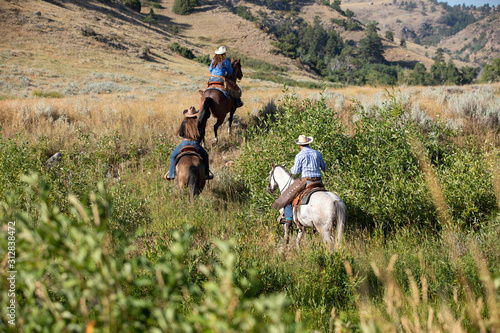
column 275, row 182
column 236, row 73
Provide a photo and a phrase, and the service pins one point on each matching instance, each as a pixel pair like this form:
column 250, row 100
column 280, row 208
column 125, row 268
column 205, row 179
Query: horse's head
column 272, row 184
column 236, row 65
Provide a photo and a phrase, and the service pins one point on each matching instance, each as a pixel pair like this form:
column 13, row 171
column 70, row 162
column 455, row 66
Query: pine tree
column 182, row 7
column 370, row 48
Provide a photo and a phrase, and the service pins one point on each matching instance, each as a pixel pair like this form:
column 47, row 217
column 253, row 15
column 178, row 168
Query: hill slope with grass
column 74, row 47
column 435, row 24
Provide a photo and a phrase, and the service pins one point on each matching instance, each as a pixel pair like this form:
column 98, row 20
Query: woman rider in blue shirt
column 190, row 137
column 219, row 67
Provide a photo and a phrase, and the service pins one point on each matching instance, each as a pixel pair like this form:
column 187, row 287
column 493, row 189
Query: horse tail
column 193, row 176
column 203, row 117
column 341, row 213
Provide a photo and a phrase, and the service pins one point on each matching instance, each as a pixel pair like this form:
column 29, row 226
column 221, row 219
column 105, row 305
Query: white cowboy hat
column 221, row 50
column 190, row 113
column 304, row 140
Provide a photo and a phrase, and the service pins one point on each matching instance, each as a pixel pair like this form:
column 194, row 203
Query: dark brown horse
column 190, row 171
column 215, row 103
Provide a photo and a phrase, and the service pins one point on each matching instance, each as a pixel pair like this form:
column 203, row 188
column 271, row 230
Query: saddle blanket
column 303, row 198
column 219, row 89
column 184, row 153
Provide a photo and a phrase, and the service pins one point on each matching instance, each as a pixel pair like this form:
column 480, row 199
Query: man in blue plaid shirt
column 309, row 163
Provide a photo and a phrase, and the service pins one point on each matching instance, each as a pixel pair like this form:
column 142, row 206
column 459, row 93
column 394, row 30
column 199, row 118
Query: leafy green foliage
column 491, row 71
column 375, row 171
column 150, row 18
column 184, row 7
column 49, row 94
column 245, row 13
column 182, row 50
column 134, row 5
column 76, row 271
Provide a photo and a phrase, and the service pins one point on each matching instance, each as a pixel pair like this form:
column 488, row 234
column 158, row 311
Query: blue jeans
column 288, row 210
column 196, row 144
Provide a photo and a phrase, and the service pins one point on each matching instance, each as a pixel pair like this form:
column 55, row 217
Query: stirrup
column 286, row 222
column 166, row 177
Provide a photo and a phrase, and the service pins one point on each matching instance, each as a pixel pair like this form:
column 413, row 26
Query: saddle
column 303, row 197
column 187, row 150
column 225, row 85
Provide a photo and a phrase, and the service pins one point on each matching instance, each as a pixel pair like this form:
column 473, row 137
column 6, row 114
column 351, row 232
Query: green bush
column 183, row 51
column 375, row 171
column 184, row 7
column 245, row 13
column 49, row 94
column 134, row 5
column 75, row 272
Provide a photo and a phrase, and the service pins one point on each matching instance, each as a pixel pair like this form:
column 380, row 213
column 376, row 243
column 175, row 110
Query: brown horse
column 215, row 103
column 190, row 171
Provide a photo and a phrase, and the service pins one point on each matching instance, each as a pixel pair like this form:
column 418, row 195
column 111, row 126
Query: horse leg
column 230, row 120
column 300, row 233
column 287, row 233
column 216, row 126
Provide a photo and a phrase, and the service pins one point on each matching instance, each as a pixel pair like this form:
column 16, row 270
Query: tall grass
column 421, row 246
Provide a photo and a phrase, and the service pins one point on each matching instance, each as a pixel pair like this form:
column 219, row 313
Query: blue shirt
column 221, row 69
column 308, row 163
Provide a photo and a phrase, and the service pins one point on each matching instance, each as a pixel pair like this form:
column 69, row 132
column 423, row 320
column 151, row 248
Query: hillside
column 80, row 46
column 479, row 42
column 421, row 25
column 76, row 46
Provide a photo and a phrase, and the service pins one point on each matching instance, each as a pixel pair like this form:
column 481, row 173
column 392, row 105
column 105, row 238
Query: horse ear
column 239, row 59
column 232, row 59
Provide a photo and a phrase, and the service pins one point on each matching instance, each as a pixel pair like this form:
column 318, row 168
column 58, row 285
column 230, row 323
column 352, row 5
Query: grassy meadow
column 104, row 244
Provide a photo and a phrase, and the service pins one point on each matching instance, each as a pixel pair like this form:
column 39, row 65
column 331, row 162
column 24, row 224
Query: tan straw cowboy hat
column 221, row 50
column 190, row 113
column 304, row 140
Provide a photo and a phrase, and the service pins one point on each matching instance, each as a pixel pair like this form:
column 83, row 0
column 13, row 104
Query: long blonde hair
column 191, row 128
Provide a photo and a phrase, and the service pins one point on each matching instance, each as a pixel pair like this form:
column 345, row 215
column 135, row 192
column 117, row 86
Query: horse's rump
column 190, row 173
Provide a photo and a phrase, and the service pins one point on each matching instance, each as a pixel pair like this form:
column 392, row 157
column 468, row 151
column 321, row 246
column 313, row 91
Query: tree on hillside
column 184, row 7
column 439, row 56
column 402, row 42
column 419, row 75
column 491, row 72
column 389, row 35
column 150, row 18
column 452, row 73
column 370, row 48
column 134, row 5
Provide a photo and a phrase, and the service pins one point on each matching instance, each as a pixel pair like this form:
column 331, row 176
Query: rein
column 274, row 179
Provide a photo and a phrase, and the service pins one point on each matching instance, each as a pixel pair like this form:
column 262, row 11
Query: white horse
column 324, row 211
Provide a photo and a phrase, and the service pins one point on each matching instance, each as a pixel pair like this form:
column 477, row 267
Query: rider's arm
column 229, row 69
column 322, row 164
column 182, row 129
column 297, row 165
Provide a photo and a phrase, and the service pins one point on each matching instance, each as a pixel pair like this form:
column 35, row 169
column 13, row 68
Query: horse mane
column 284, row 169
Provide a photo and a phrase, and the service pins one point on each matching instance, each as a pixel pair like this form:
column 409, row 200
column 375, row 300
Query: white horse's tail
column 341, row 212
